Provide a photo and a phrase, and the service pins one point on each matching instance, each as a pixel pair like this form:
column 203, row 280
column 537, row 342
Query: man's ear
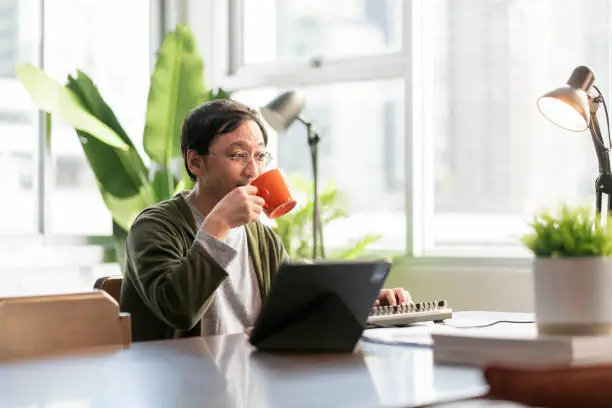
column 195, row 164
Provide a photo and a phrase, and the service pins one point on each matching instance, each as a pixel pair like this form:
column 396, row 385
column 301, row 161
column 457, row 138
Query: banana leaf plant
column 126, row 184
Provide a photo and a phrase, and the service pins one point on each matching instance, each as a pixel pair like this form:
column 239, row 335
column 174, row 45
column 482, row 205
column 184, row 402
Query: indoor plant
column 295, row 227
column 572, row 271
column 126, row 184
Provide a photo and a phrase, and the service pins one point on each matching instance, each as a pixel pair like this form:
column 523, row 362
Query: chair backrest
column 52, row 324
column 111, row 285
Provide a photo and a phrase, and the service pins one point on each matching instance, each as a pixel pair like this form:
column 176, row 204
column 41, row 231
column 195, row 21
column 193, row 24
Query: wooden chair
column 111, row 285
column 53, row 324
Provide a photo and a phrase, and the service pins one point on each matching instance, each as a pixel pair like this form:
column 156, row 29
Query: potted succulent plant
column 572, row 271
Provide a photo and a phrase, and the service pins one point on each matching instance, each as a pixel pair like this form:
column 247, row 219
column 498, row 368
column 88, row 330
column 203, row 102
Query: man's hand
column 393, row 297
column 239, row 207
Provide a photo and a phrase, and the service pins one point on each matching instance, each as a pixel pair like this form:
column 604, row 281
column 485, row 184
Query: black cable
column 603, row 100
column 489, row 324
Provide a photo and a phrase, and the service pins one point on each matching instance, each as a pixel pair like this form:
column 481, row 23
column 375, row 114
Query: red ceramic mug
column 273, row 187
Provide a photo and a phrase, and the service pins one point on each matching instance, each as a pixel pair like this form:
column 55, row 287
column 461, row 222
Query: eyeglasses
column 262, row 159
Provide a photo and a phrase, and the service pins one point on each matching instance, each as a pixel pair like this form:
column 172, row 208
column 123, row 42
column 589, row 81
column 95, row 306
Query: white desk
column 225, row 371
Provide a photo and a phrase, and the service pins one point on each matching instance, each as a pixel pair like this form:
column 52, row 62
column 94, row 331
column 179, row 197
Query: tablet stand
column 324, row 324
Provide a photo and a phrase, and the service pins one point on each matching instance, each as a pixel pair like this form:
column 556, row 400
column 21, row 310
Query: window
column 479, row 158
column 277, row 30
column 361, row 152
column 109, row 41
column 358, row 111
column 9, row 36
column 18, row 118
column 496, row 158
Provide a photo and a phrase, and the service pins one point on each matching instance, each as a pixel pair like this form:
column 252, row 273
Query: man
column 200, row 263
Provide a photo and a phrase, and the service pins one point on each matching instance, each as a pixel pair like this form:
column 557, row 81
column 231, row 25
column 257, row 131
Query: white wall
column 484, row 286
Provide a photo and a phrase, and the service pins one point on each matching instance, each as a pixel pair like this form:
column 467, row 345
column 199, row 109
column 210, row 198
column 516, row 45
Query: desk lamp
column 574, row 107
column 280, row 113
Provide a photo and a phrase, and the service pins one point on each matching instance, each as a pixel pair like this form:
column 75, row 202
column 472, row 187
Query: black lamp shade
column 568, row 106
column 283, row 110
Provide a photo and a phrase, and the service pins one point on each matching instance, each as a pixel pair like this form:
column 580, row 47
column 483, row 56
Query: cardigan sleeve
column 222, row 253
column 176, row 288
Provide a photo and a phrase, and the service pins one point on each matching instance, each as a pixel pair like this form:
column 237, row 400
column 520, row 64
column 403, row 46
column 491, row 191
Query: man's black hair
column 214, row 118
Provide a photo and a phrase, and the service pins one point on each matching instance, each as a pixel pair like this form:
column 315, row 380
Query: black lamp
column 574, row 108
column 280, row 113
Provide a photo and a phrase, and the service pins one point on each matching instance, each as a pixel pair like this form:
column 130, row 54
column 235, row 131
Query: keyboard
column 410, row 313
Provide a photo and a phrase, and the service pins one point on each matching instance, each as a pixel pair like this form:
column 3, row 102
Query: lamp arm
column 603, row 156
column 313, row 137
column 603, row 183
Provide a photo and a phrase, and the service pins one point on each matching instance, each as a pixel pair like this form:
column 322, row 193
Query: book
column 521, row 345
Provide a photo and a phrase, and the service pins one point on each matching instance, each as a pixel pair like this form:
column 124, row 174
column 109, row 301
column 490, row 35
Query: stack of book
column 521, row 346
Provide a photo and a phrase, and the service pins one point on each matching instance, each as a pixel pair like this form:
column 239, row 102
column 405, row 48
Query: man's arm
column 176, row 288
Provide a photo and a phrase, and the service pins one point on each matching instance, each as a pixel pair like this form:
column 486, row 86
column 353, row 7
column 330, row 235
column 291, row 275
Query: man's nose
column 251, row 169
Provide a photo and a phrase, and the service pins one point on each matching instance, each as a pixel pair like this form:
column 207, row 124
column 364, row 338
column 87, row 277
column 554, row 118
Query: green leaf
column 124, row 210
column 185, row 183
column 51, row 97
column 119, row 173
column 219, row 94
column 92, row 101
column 121, row 176
column 177, row 86
column 162, row 190
column 358, row 248
column 295, row 228
column 48, row 127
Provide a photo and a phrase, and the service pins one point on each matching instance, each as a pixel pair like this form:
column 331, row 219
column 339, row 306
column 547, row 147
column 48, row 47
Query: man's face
column 223, row 169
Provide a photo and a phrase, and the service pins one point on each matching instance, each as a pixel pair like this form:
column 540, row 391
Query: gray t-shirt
column 237, row 301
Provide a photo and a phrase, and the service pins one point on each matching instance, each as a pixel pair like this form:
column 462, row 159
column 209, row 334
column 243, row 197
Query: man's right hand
column 239, row 207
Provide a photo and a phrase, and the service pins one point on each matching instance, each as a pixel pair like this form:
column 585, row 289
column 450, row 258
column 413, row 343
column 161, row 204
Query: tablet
column 320, row 306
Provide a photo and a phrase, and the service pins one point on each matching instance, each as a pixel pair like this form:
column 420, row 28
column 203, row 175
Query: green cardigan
column 169, row 278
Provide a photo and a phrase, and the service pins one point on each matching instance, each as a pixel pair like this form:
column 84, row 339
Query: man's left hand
column 393, row 297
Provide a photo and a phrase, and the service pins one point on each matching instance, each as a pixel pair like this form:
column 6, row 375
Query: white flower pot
column 573, row 296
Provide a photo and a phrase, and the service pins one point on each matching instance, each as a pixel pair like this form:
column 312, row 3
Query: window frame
column 419, row 152
column 217, row 27
column 236, row 67
column 164, row 14
column 233, row 75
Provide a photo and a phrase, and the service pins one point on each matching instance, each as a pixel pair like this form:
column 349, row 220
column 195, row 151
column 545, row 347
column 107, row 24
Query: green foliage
column 295, row 228
column 60, row 101
column 177, row 86
column 573, row 232
column 126, row 184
